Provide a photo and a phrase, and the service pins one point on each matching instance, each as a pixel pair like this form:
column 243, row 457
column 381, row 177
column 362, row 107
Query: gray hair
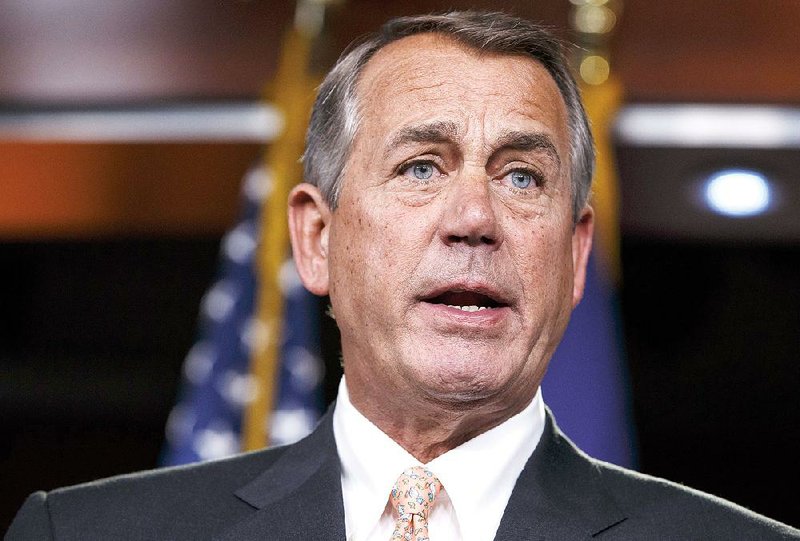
column 335, row 117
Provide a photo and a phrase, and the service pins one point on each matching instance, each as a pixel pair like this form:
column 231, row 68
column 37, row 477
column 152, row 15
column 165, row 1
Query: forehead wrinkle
column 443, row 131
column 422, row 93
column 528, row 142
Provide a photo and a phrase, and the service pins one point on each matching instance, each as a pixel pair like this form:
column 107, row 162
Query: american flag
column 206, row 423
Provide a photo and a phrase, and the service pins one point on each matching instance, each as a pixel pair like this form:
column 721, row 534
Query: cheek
column 362, row 246
column 396, row 234
column 543, row 261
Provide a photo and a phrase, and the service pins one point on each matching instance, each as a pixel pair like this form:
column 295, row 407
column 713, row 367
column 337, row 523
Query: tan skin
column 451, row 260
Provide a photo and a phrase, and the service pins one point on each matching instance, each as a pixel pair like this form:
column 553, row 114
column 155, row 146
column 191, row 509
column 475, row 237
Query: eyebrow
column 447, row 132
column 433, row 132
column 527, row 142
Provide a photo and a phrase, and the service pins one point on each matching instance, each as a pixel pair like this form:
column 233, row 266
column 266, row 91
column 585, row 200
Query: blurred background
column 127, row 130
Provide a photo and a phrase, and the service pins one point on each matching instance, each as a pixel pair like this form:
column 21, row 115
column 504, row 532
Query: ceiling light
column 737, row 193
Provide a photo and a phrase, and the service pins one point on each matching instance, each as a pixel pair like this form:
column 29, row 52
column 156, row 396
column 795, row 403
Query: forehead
column 427, row 76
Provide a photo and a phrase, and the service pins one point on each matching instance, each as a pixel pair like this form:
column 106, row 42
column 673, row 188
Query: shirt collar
column 371, row 462
column 478, row 475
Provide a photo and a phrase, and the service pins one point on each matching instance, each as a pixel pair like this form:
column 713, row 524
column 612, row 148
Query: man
column 448, row 165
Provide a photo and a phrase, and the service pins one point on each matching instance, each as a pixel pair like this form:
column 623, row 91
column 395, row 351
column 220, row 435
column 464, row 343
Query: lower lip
column 487, row 318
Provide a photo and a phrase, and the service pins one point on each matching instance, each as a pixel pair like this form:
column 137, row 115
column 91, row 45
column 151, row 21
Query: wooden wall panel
column 94, row 51
column 89, row 51
column 62, row 190
column 710, row 51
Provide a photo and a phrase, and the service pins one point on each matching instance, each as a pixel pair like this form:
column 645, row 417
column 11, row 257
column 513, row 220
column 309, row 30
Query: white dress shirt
column 477, row 476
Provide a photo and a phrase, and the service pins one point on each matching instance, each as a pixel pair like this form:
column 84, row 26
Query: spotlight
column 737, row 193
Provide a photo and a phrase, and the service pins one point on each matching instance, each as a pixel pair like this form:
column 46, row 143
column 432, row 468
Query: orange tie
column 412, row 497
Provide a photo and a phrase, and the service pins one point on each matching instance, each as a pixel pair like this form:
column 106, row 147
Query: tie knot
column 414, row 492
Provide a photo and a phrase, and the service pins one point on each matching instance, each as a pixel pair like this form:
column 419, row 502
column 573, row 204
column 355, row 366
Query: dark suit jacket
column 295, row 492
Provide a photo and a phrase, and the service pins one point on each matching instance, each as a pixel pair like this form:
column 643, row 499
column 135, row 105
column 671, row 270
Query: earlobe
column 309, row 219
column 581, row 248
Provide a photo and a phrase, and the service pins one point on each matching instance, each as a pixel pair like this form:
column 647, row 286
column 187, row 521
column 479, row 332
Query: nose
column 469, row 217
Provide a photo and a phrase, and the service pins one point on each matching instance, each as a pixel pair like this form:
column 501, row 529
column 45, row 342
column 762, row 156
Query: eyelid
column 408, row 164
column 538, row 177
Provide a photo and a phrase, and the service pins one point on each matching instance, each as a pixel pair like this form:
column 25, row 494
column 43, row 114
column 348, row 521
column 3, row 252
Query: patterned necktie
column 412, row 497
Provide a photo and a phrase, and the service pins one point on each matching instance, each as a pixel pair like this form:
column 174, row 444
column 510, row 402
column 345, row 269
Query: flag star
column 305, row 368
column 255, row 335
column 180, row 423
column 289, row 425
column 199, row 362
column 216, row 441
column 258, row 184
column 240, row 243
column 236, row 388
column 220, row 300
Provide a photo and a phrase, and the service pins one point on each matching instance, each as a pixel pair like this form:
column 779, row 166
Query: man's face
column 451, row 257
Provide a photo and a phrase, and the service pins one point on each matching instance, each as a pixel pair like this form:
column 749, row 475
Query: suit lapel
column 558, row 495
column 299, row 496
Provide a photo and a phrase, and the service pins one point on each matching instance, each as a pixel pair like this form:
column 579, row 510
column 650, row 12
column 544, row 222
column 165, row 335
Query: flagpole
column 292, row 94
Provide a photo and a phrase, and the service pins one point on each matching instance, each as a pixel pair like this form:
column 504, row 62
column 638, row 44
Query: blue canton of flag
column 587, row 384
column 207, row 421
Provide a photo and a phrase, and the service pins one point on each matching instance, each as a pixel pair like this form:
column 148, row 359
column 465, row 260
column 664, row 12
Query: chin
column 465, row 377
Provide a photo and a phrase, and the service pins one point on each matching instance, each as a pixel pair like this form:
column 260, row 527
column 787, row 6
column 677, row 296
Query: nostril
column 470, row 240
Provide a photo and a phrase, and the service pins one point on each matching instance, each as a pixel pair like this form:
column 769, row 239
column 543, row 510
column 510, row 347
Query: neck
column 437, row 426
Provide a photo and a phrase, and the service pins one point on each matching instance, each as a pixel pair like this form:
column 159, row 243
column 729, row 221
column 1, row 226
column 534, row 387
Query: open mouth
column 466, row 301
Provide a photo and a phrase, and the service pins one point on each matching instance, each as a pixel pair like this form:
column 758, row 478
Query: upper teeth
column 471, row 308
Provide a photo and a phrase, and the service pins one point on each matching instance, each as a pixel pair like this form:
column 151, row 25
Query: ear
column 309, row 220
column 581, row 247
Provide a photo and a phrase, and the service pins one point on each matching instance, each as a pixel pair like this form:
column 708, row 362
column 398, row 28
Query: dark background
column 97, row 311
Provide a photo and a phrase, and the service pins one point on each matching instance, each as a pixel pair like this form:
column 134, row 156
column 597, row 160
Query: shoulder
column 178, row 502
column 228, row 472
column 615, row 503
column 198, row 501
column 654, row 504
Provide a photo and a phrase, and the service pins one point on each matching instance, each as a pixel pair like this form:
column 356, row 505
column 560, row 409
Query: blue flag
column 587, row 384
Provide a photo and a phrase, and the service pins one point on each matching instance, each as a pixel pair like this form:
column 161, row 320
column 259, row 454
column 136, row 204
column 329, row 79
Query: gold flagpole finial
column 309, row 16
column 594, row 22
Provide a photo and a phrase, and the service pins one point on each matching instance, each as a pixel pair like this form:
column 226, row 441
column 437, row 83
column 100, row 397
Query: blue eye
column 422, row 170
column 521, row 179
